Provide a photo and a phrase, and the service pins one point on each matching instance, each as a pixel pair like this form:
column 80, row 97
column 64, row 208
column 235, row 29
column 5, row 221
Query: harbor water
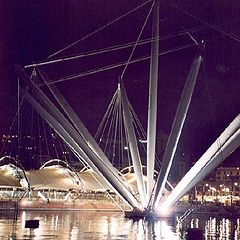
column 74, row 225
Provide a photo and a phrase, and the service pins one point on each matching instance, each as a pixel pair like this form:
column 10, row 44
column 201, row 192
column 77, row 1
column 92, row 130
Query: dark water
column 104, row 225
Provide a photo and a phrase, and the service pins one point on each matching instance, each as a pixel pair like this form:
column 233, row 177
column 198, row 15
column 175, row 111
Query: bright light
column 23, row 202
column 213, row 189
column 23, row 219
column 165, row 231
column 74, row 233
column 163, row 210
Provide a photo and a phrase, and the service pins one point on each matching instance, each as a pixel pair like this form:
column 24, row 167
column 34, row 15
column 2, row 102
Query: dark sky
column 31, row 30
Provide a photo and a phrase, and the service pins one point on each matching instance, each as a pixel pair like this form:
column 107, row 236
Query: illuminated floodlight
column 163, row 211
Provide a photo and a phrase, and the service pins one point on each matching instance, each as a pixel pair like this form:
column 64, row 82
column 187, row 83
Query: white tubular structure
column 152, row 101
column 227, row 142
column 176, row 131
column 76, row 121
column 127, row 116
column 80, row 147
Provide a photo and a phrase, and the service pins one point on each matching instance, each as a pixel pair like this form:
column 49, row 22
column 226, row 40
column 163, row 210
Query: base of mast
column 146, row 214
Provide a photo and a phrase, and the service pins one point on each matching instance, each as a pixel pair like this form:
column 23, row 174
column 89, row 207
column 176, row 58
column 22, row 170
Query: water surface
column 108, row 225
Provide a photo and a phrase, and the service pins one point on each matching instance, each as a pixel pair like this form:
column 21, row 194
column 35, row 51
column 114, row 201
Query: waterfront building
column 221, row 186
column 227, row 174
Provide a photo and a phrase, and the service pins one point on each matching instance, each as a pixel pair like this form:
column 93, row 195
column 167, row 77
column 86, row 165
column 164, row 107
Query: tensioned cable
column 128, row 147
column 111, row 131
column 103, row 125
column 120, row 134
column 12, row 125
column 141, row 132
column 99, row 29
column 229, row 34
column 190, row 35
column 139, row 128
column 114, row 104
column 213, row 118
column 18, row 123
column 110, row 67
column 106, row 116
column 105, row 121
column 102, row 162
column 53, row 141
column 108, row 145
column 32, row 126
column 45, row 136
column 138, row 38
column 39, row 139
column 32, row 129
column 212, row 113
column 112, row 128
column 63, row 149
column 22, row 107
column 115, row 136
column 114, row 48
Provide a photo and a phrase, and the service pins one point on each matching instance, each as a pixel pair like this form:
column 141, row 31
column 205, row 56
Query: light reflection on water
column 107, row 225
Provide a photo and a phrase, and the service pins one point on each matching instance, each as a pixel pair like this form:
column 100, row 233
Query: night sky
column 31, row 30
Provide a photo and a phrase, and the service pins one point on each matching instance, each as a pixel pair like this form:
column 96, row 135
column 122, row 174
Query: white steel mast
column 91, row 141
column 66, row 131
column 137, row 166
column 74, row 118
column 176, row 131
column 225, row 144
column 152, row 102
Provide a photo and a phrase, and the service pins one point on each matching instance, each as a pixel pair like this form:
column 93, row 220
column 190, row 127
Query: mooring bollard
column 32, row 223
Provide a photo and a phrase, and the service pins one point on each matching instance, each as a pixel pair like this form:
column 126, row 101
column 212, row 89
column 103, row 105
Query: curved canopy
column 8, row 177
column 92, row 182
column 53, row 177
column 130, row 178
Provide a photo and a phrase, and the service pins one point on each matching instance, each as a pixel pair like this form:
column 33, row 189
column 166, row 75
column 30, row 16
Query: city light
column 163, row 211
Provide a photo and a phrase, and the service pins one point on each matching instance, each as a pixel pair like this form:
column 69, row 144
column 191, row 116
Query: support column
column 225, row 144
column 152, row 101
column 176, row 131
column 133, row 145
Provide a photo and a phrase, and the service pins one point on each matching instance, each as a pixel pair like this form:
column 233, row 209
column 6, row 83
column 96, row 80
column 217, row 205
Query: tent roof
column 53, row 177
column 7, row 177
column 92, row 182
